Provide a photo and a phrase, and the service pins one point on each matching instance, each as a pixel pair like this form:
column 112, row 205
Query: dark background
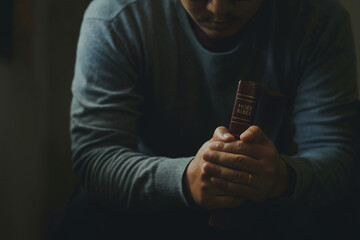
column 35, row 160
column 5, row 28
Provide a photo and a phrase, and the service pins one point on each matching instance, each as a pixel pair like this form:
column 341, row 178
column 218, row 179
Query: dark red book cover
column 254, row 105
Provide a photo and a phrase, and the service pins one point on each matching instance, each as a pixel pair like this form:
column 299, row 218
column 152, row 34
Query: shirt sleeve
column 324, row 117
column 105, row 112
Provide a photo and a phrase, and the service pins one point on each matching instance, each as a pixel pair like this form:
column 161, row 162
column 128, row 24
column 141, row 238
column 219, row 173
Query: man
column 153, row 92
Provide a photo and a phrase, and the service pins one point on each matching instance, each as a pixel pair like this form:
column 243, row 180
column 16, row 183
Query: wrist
column 291, row 182
column 282, row 180
column 287, row 180
column 186, row 189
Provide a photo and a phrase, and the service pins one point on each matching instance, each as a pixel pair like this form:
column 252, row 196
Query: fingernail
column 227, row 135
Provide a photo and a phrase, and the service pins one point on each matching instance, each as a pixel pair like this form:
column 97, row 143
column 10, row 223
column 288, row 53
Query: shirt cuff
column 300, row 179
column 169, row 180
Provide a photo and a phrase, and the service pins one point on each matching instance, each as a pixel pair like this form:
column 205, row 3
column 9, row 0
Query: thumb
column 222, row 134
column 254, row 134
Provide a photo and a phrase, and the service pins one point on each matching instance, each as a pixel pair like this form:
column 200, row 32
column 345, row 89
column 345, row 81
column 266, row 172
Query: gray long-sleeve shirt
column 147, row 95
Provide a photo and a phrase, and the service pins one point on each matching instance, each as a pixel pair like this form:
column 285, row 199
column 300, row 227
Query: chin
column 219, row 34
column 220, row 31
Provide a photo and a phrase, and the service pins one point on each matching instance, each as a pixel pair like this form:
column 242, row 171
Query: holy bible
column 254, row 105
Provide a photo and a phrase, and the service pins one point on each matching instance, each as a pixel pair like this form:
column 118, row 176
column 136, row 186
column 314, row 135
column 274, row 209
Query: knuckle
column 237, row 177
column 217, row 157
column 220, row 172
column 238, row 161
column 218, row 145
column 239, row 146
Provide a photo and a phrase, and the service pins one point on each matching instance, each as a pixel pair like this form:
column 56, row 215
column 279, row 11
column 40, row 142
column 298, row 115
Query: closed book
column 254, row 105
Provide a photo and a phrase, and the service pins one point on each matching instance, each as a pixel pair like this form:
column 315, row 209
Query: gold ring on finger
column 250, row 179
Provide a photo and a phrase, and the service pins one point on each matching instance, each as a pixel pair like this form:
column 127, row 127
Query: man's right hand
column 198, row 183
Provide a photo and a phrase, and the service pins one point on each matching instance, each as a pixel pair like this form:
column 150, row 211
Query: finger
column 234, row 161
column 234, row 176
column 212, row 190
column 254, row 134
column 222, row 134
column 252, row 150
column 208, row 192
column 242, row 191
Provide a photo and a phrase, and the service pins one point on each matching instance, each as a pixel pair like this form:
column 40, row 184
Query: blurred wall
column 23, row 126
column 35, row 166
column 35, row 169
column 64, row 19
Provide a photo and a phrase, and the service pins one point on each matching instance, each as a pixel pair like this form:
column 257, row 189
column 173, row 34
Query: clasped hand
column 218, row 176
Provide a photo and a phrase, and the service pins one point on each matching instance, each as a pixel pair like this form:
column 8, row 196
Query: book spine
column 244, row 108
column 242, row 117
